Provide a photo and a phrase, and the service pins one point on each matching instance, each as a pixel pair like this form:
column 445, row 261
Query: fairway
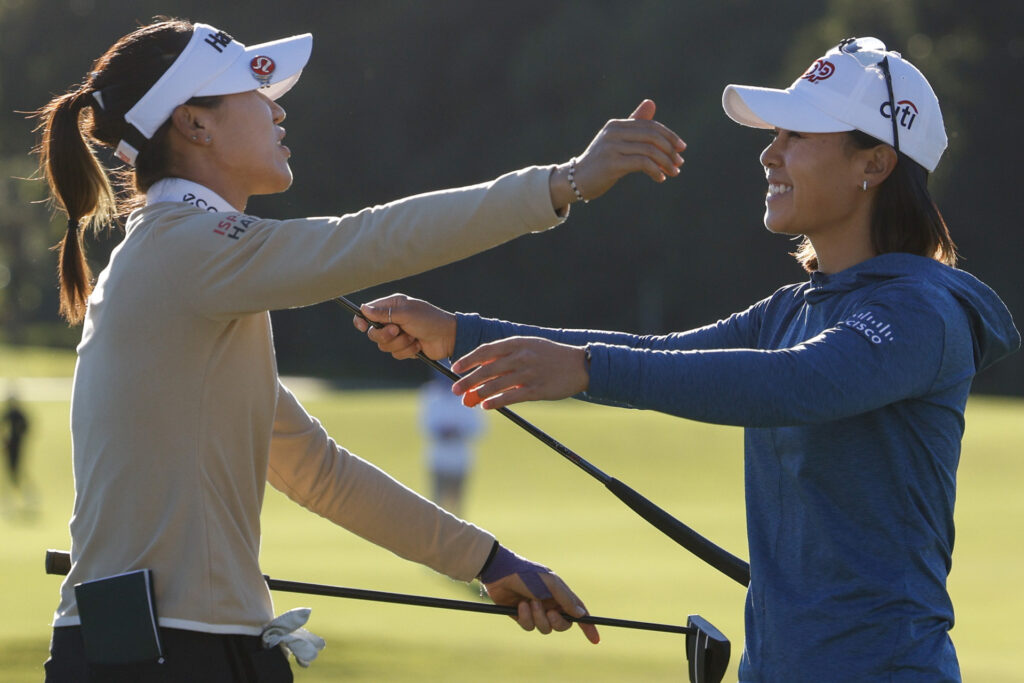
column 543, row 507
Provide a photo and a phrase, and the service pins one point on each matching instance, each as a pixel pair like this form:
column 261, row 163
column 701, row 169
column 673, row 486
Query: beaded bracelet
column 572, row 181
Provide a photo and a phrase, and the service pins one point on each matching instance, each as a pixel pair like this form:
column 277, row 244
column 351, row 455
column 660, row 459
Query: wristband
column 506, row 562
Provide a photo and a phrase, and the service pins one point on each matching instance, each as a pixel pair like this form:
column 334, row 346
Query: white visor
column 213, row 63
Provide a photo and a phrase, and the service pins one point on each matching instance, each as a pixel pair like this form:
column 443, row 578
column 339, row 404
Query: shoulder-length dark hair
column 69, row 125
column 904, row 218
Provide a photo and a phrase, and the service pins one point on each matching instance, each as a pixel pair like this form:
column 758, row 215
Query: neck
column 237, row 199
column 840, row 251
column 846, row 242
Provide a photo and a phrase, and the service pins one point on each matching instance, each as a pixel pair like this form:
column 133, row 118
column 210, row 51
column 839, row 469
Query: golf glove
column 506, row 562
column 286, row 630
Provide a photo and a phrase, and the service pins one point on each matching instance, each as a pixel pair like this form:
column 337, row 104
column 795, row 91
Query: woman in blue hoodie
column 851, row 385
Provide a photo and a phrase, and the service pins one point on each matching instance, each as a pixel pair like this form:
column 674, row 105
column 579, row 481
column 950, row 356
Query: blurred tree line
column 402, row 97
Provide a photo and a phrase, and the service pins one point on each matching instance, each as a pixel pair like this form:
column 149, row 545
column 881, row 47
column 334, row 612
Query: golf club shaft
column 717, row 557
column 447, row 372
column 59, row 562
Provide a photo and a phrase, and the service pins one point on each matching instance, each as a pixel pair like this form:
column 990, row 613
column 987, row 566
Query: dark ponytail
column 68, row 125
column 80, row 187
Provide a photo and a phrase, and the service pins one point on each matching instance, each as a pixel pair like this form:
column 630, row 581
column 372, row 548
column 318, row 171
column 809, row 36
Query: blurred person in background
column 450, row 430
column 14, row 426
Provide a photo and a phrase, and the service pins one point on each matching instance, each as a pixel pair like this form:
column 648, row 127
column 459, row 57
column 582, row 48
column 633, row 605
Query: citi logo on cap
column 819, row 71
column 262, row 69
column 906, row 112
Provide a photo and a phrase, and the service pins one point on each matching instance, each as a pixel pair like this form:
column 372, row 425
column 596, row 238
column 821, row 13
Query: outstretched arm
column 311, row 469
column 622, row 146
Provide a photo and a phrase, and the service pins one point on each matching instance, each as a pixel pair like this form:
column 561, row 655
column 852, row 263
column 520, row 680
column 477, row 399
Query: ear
column 879, row 162
column 189, row 122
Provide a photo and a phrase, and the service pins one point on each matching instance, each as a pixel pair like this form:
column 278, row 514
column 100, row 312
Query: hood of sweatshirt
column 992, row 328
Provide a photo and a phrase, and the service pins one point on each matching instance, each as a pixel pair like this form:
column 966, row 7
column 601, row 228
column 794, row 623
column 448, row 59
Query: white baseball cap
column 213, row 63
column 846, row 89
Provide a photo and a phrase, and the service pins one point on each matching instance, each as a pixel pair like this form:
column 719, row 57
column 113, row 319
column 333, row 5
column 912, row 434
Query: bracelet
column 572, row 181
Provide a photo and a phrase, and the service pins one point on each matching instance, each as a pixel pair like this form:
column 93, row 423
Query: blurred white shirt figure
column 450, row 428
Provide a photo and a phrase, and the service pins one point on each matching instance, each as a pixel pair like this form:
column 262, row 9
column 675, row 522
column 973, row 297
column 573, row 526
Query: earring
column 208, row 140
column 195, row 137
column 864, row 186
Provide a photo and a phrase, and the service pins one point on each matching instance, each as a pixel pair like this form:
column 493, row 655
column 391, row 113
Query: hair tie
column 72, row 225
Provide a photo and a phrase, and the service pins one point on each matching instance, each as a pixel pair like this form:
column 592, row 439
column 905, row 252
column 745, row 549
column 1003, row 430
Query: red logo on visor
column 819, row 71
column 262, row 69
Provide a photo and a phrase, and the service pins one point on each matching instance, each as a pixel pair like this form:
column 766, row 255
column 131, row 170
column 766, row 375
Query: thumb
column 381, row 310
column 644, row 111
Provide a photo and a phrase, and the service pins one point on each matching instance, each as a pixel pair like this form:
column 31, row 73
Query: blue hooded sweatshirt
column 852, row 389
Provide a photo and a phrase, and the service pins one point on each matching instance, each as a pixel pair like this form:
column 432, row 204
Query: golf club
column 717, row 557
column 707, row 649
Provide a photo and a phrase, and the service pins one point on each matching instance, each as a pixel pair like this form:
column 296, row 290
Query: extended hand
column 520, row 369
column 621, row 147
column 545, row 616
column 410, row 326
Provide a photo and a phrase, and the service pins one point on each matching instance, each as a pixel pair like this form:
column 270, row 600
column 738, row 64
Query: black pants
column 189, row 657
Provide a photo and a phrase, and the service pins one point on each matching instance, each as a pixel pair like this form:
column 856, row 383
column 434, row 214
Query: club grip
column 58, row 562
column 717, row 557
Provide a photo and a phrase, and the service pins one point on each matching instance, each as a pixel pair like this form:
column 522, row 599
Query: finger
column 571, row 605
column 493, row 386
column 645, row 133
column 652, row 132
column 525, row 616
column 644, row 111
column 380, row 310
column 540, row 617
column 506, row 398
column 480, row 356
column 410, row 350
column 631, row 152
column 478, row 360
column 383, row 335
column 591, row 632
column 360, row 324
column 375, row 313
column 647, row 166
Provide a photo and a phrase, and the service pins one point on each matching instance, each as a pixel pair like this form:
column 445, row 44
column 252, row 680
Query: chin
column 778, row 227
column 281, row 182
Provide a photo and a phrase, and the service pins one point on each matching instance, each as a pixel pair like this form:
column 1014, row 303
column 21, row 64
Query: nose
column 770, row 157
column 278, row 112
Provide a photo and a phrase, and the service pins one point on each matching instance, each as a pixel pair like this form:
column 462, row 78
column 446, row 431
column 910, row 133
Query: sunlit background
column 405, row 97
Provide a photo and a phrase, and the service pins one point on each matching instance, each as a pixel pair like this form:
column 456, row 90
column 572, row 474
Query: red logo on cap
column 262, row 69
column 819, row 71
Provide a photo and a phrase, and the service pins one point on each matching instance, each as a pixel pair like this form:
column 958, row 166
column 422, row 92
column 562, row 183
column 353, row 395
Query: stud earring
column 864, row 186
column 195, row 137
column 208, row 140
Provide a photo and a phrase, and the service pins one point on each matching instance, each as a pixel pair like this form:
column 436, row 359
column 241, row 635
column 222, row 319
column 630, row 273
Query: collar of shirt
column 181, row 190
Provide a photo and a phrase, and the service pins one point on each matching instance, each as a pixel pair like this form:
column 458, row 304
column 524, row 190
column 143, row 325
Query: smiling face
column 814, row 184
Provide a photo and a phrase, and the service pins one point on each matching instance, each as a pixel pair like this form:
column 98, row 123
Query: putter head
column 707, row 651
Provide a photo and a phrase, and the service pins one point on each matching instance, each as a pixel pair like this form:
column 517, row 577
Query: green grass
column 543, row 507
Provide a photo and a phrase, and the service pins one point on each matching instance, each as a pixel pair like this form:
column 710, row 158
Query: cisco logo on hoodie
column 871, row 327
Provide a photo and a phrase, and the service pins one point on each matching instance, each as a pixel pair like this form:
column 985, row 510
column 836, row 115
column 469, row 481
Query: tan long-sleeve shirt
column 178, row 417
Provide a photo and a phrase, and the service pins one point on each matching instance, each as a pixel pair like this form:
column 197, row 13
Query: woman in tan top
column 178, row 416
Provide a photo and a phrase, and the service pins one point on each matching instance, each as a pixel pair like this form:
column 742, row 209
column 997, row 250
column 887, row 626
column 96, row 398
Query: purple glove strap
column 506, row 562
